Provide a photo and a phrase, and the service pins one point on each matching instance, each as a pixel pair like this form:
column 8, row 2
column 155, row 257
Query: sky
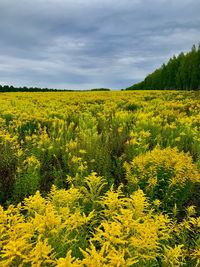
column 84, row 44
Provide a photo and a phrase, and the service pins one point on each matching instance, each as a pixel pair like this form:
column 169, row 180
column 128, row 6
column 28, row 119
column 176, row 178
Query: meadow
column 100, row 179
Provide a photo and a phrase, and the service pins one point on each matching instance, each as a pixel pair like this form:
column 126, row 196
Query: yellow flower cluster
column 164, row 174
column 121, row 231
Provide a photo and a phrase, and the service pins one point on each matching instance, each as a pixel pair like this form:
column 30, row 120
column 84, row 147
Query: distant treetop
column 100, row 89
column 10, row 88
column 180, row 73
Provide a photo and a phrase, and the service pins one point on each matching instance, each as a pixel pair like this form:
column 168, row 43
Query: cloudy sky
column 81, row 44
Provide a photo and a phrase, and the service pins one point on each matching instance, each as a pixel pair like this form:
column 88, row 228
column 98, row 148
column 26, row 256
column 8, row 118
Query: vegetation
column 180, row 73
column 10, row 88
column 100, row 179
column 100, row 89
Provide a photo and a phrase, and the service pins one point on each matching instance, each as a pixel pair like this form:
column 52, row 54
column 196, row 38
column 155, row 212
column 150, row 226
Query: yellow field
column 100, row 179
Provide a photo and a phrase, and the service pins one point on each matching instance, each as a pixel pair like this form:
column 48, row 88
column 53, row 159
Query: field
column 100, row 179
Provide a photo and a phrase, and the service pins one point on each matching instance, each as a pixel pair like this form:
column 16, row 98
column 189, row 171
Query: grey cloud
column 91, row 43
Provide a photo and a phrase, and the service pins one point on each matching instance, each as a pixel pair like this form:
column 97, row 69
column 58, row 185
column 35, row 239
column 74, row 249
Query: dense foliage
column 10, row 88
column 100, row 179
column 181, row 73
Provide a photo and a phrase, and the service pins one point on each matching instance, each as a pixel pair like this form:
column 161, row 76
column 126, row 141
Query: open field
column 117, row 173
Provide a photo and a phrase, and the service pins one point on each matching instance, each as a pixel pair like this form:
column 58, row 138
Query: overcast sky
column 81, row 44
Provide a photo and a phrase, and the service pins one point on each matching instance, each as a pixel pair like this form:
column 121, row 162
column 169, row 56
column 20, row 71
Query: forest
column 182, row 72
column 11, row 88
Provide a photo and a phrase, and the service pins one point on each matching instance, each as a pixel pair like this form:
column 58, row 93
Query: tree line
column 182, row 72
column 10, row 88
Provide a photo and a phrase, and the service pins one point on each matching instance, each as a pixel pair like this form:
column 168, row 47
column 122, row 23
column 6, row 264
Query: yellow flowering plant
column 100, row 179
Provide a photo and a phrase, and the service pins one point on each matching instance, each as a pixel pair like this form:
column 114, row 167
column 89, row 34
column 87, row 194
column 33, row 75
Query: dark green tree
column 180, row 73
